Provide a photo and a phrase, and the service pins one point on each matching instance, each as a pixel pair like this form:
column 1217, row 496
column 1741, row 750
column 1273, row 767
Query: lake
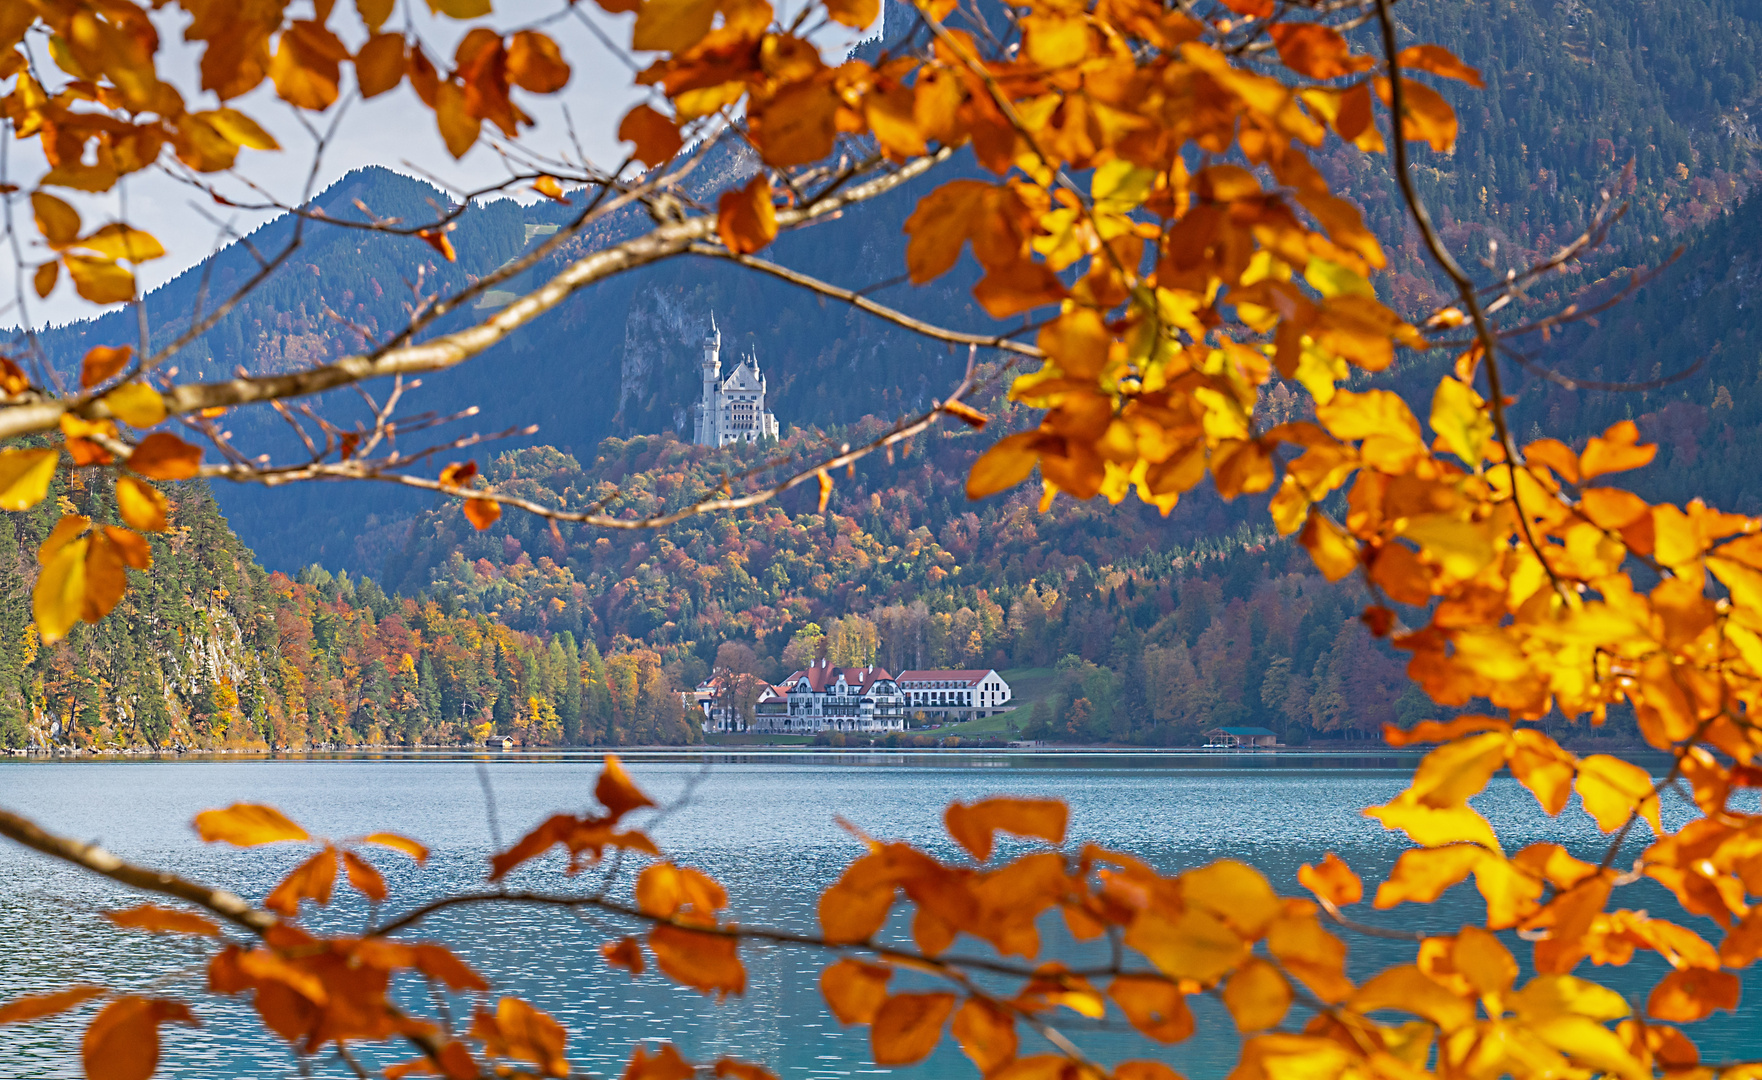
column 761, row 823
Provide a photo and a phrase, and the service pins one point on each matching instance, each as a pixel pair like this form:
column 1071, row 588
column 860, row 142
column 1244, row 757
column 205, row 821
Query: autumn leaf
column 1613, row 790
column 664, row 1064
column 518, row 1031
column 101, row 281
column 135, row 404
column 729, row 1069
column 163, row 456
column 908, row 1026
column 58, row 222
column 162, row 920
column 247, row 825
column 379, row 64
column 1617, row 450
column 36, row 1006
column 854, row 990
column 974, row 826
column 987, row 1034
column 25, row 476
column 122, row 1042
column 707, row 962
column 1439, row 61
column 482, row 513
column 616, row 791
column 398, row 843
column 1155, row 1006
column 437, row 239
column 655, row 135
column 363, row 877
column 672, row 25
column 1257, row 996
column 1317, row 51
column 311, row 880
column 745, row 219
column 1332, row 880
column 624, row 953
column 102, row 362
column 535, row 63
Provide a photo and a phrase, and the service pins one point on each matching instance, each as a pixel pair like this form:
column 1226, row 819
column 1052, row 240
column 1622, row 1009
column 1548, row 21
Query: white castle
column 732, row 409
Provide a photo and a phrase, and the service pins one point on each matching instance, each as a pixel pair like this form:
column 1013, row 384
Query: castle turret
column 709, row 409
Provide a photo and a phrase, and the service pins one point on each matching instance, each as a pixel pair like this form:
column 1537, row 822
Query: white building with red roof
column 826, row 698
column 963, row 695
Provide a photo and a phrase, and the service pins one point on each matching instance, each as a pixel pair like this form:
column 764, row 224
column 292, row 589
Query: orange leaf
column 163, row 456
column 437, row 239
column 517, row 1030
column 247, row 825
column 58, row 222
column 550, row 189
column 312, row 879
column 536, row 64
column 1258, row 997
column 1154, row 1006
column 458, row 474
column 825, row 479
column 1422, row 874
column 1613, row 789
column 1312, row 49
column 122, row 1042
column 908, row 1026
column 663, row 890
column 439, row 962
column 161, row 920
column 1005, row 465
column 398, row 843
column 624, row 953
column 1429, row 116
column 1432, row 731
column 655, row 135
column 1616, row 450
column 35, row 1006
column 363, row 877
column 745, row 219
column 1333, row 881
column 707, row 962
column 966, row 413
column 1691, row 994
column 856, row 14
column 729, row 1069
column 974, row 827
column 616, row 791
column 101, row 362
column 1021, row 286
column 664, row 1064
column 482, row 513
column 44, row 279
column 379, row 66
column 986, row 1033
column 1439, row 61
column 854, row 990
column 1144, row 1070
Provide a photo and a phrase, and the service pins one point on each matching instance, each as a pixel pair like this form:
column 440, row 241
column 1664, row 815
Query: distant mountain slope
column 1578, row 87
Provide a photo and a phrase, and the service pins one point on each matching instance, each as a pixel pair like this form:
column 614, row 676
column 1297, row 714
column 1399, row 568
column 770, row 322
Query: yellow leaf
column 1433, row 826
column 136, row 404
column 1407, row 989
column 1236, row 893
column 1257, row 996
column 374, row 13
column 856, row 14
column 1613, row 789
column 1193, row 945
column 1373, row 413
column 398, row 843
column 1331, row 548
column 1459, row 770
column 60, row 592
column 101, row 281
column 460, row 9
column 1422, row 875
column 115, row 241
column 44, row 279
column 25, row 476
column 247, row 825
column 672, row 25
column 1616, row 450
column 1546, row 997
column 458, row 128
column 1460, row 418
column 1332, row 279
column 58, row 222
column 141, row 505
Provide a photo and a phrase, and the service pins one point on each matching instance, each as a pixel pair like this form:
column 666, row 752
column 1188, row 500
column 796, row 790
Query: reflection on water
column 762, row 823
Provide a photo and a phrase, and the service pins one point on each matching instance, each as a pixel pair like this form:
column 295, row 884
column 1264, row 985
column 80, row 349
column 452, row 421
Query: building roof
column 745, row 376
column 1244, row 732
column 965, row 676
column 821, row 674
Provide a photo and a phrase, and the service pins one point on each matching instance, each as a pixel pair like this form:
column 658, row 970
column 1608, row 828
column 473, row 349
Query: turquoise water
column 763, row 824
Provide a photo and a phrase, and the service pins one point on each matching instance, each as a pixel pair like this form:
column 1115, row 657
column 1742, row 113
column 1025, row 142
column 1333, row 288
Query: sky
column 392, row 130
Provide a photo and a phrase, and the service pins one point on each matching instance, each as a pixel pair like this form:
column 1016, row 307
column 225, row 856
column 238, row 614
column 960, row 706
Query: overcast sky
column 391, row 130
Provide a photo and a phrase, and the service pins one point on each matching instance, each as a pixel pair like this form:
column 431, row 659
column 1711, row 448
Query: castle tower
column 709, row 410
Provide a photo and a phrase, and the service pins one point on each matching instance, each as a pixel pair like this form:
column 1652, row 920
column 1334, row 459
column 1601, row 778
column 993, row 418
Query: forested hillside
column 1577, row 88
column 208, row 651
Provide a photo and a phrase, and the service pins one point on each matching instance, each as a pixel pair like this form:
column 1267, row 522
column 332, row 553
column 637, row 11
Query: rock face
column 658, row 377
